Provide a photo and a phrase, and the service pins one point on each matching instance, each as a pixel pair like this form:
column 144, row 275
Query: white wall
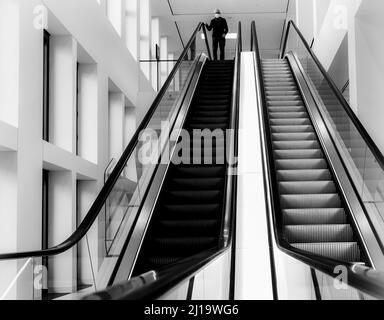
column 9, row 58
column 88, row 97
column 335, row 26
column 62, row 222
column 145, row 37
column 304, row 16
column 155, row 40
column 62, row 93
column 115, row 15
column 163, row 56
column 368, row 82
column 339, row 68
column 8, row 216
column 132, row 24
column 320, row 8
column 116, row 125
column 21, row 100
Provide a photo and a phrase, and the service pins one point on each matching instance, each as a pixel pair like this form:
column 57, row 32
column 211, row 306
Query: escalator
column 314, row 217
column 319, row 220
column 318, row 231
column 162, row 215
column 170, row 228
column 189, row 213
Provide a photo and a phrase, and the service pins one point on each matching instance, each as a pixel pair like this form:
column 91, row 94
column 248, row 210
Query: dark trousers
column 218, row 42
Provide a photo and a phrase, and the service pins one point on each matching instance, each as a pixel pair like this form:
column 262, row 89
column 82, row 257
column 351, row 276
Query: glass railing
column 296, row 280
column 364, row 161
column 83, row 262
column 209, row 274
column 161, row 66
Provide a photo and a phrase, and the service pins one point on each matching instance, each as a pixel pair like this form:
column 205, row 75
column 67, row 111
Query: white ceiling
column 269, row 15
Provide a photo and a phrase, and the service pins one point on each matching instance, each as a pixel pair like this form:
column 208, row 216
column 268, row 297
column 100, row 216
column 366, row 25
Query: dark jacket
column 219, row 27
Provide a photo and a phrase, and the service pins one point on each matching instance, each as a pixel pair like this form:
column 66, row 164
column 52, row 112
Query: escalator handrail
column 359, row 277
column 351, row 114
column 103, row 195
column 153, row 284
column 206, row 41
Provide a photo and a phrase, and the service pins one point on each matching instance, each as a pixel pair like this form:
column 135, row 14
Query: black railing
column 154, row 284
column 105, row 192
column 360, row 277
column 158, row 60
column 345, row 87
column 352, row 116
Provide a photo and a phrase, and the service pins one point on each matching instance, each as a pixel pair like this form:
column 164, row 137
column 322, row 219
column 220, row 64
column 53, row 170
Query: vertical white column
column 8, row 217
column 132, row 25
column 9, row 112
column 305, row 18
column 29, row 155
column 88, row 91
column 114, row 11
column 130, row 129
column 163, row 56
column 116, row 124
column 155, row 41
column 63, row 59
column 123, row 20
column 171, row 56
column 62, row 222
column 103, row 5
column 9, row 62
column 87, row 263
column 145, row 35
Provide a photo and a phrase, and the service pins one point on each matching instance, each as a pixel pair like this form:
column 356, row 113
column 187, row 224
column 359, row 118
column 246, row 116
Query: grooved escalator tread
column 313, row 213
column 188, row 214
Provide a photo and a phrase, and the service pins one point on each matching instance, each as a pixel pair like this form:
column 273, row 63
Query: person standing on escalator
column 220, row 30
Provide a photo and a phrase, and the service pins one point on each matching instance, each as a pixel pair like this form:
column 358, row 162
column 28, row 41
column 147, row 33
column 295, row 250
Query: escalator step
column 296, row 145
column 288, row 115
column 189, row 228
column 190, row 211
column 301, row 164
column 211, row 126
column 191, row 196
column 314, row 216
column 299, row 154
column 287, row 109
column 195, row 183
column 346, row 252
column 290, row 122
column 298, row 201
column 184, row 245
column 203, row 171
column 318, row 233
column 307, row 187
column 291, row 129
column 304, row 175
column 295, row 136
column 188, row 214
